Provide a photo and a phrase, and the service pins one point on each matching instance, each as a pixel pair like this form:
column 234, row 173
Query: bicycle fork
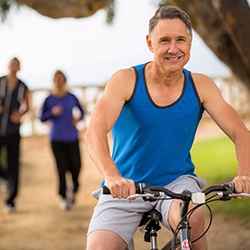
column 185, row 243
column 184, row 227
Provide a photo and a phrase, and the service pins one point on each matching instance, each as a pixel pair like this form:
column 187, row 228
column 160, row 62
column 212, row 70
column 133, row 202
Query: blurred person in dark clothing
column 14, row 103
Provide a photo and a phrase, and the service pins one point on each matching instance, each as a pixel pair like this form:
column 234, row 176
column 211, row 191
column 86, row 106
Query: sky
column 88, row 50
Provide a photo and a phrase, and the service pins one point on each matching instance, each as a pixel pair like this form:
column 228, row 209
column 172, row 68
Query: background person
column 14, row 103
column 153, row 110
column 58, row 110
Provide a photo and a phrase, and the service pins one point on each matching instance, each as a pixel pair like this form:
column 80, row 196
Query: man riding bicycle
column 154, row 110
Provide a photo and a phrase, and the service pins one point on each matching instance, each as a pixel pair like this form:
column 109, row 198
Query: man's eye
column 164, row 40
column 181, row 40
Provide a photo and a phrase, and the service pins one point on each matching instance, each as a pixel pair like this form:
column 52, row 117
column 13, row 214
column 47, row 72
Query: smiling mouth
column 173, row 58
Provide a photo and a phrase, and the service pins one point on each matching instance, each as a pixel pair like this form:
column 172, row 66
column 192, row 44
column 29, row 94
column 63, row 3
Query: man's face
column 171, row 43
column 14, row 66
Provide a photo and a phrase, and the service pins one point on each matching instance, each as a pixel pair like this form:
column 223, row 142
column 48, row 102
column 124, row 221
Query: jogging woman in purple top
column 58, row 111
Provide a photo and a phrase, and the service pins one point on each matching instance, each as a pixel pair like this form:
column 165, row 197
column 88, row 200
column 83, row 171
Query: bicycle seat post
column 153, row 239
column 151, row 220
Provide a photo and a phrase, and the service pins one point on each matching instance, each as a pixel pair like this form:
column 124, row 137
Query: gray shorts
column 123, row 218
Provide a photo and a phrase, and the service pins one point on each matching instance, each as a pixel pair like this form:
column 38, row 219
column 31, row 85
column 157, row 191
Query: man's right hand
column 120, row 187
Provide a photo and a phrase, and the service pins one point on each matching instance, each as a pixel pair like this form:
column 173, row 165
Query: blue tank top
column 151, row 143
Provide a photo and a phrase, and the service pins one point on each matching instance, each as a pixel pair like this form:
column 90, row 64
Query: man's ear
column 149, row 43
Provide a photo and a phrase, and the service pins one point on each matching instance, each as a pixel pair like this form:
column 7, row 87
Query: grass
column 215, row 161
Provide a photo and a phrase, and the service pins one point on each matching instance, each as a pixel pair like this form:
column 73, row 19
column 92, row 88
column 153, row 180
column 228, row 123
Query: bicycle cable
column 190, row 212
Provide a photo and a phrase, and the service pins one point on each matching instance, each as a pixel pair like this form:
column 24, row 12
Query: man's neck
column 12, row 81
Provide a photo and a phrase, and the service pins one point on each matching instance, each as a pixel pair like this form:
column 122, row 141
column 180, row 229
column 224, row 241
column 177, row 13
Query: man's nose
column 173, row 48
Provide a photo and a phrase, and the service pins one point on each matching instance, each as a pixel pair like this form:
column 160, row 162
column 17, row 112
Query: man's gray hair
column 169, row 12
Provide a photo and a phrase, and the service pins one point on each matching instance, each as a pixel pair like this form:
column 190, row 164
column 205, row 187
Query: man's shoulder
column 131, row 69
column 124, row 74
column 129, row 73
column 200, row 77
column 21, row 82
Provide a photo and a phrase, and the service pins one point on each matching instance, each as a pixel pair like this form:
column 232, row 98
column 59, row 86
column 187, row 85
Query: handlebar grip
column 138, row 189
column 105, row 190
column 231, row 184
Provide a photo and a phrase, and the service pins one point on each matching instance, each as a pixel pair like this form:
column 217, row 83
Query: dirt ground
column 39, row 224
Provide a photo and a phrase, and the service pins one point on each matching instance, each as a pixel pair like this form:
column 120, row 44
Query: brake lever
column 244, row 195
column 134, row 196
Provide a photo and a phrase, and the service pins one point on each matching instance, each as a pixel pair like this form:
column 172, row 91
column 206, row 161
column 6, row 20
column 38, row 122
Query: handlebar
column 226, row 191
column 143, row 190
